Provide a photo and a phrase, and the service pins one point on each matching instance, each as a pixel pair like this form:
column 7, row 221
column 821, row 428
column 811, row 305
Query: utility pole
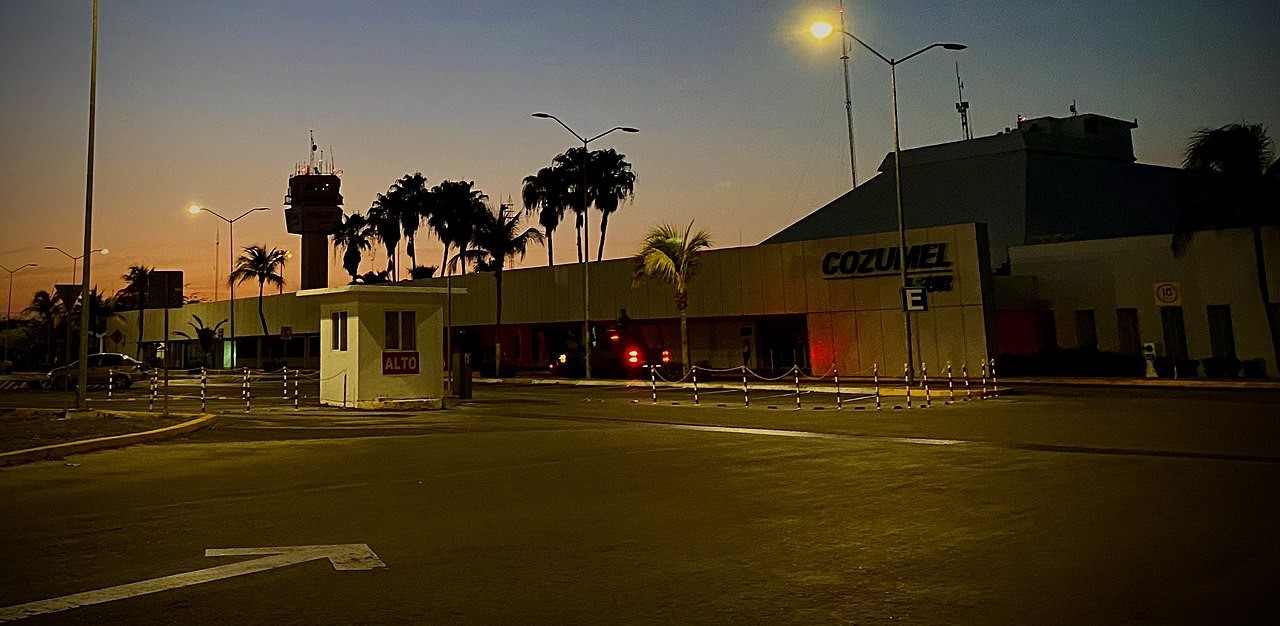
column 83, row 378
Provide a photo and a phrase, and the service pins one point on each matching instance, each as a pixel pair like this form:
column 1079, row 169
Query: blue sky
column 741, row 113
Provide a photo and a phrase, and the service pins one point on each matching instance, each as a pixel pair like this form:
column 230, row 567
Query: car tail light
column 633, row 356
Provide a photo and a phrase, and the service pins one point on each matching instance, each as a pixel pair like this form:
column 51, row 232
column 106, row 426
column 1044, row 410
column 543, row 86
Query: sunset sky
column 740, row 111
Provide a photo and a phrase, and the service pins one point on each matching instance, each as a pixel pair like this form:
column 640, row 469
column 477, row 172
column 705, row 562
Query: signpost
column 163, row 290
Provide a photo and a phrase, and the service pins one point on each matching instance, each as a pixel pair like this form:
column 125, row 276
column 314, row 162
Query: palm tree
column 612, row 182
column 671, row 256
column 570, row 166
column 498, row 240
column 256, row 262
column 413, row 204
column 45, row 309
column 204, row 335
column 456, row 208
column 543, row 194
column 354, row 235
column 384, row 216
column 133, row 293
column 1240, row 174
column 101, row 310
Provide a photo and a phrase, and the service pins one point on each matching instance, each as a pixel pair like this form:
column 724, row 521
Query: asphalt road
column 586, row 505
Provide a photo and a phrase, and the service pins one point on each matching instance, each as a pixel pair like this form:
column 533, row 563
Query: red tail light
column 633, row 356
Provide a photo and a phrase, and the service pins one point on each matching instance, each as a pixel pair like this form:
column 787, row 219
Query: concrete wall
column 1107, row 274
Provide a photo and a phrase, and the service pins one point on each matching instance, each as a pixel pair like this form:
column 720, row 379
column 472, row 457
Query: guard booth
column 381, row 345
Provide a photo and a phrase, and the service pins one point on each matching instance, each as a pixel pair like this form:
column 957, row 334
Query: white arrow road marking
column 344, row 557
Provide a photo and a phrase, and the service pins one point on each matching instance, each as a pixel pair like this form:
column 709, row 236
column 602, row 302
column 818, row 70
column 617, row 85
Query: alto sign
column 400, row 363
column 927, row 258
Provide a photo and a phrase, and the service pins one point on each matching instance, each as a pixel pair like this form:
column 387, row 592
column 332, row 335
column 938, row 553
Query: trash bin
column 460, row 367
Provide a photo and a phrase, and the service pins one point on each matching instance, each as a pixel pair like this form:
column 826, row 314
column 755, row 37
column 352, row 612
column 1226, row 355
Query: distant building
column 1046, row 246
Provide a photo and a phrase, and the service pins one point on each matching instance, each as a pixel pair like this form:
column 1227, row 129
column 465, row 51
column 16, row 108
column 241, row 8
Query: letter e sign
column 915, row 299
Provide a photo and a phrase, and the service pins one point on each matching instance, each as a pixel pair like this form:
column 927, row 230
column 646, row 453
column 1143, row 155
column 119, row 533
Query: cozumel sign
column 928, row 258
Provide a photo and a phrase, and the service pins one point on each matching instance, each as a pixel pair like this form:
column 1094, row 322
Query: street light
column 822, row 30
column 8, row 312
column 586, row 246
column 75, row 259
column 231, row 238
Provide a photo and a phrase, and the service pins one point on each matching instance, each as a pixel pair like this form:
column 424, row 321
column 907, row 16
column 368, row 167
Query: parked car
column 122, row 369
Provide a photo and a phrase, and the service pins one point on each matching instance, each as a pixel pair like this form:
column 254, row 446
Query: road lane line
column 343, row 557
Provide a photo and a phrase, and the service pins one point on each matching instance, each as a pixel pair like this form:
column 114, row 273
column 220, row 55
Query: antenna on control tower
column 962, row 106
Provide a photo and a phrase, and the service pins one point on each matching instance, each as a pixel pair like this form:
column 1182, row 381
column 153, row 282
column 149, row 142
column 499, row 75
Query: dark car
column 123, row 370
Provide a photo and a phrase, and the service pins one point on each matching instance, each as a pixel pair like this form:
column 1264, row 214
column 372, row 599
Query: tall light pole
column 231, row 244
column 8, row 311
column 821, row 30
column 75, row 259
column 83, row 378
column 586, row 247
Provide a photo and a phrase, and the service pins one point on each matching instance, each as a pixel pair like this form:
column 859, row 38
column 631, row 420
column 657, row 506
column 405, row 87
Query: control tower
column 314, row 200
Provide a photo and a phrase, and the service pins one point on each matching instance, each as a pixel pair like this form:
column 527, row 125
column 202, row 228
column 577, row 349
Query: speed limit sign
column 1168, row 293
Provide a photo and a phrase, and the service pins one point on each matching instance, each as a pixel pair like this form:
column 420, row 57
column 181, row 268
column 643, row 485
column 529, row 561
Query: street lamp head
column 821, row 30
column 954, row 46
column 193, row 209
column 51, row 248
column 103, row 251
column 545, row 116
column 628, row 129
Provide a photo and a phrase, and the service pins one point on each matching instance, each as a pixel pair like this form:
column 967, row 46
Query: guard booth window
column 1086, row 330
column 339, row 323
column 1175, row 332
column 1222, row 337
column 401, row 330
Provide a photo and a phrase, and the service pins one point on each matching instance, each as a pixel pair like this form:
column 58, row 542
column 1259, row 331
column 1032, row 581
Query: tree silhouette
column 671, row 256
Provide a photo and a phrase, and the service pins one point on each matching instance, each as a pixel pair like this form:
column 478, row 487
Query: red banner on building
column 399, row 363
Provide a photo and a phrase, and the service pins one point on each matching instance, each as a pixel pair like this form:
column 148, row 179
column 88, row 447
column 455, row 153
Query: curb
column 859, row 389
column 1152, row 383
column 60, row 450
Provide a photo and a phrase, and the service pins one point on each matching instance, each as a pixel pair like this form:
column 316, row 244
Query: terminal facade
column 1043, row 242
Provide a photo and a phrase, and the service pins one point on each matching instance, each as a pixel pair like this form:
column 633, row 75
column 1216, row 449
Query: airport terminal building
column 1044, row 240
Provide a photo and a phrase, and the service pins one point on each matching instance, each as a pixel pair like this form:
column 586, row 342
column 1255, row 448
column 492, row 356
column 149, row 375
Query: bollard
column 653, row 382
column 983, row 395
column 344, row 390
column 746, row 397
column 924, row 377
column 151, row 399
column 204, row 383
column 248, row 392
column 906, row 380
column 839, row 404
column 995, row 389
column 964, row 371
column 796, row 368
column 875, row 376
column 284, row 392
column 111, row 381
column 951, row 386
column 694, row 373
column 295, row 388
